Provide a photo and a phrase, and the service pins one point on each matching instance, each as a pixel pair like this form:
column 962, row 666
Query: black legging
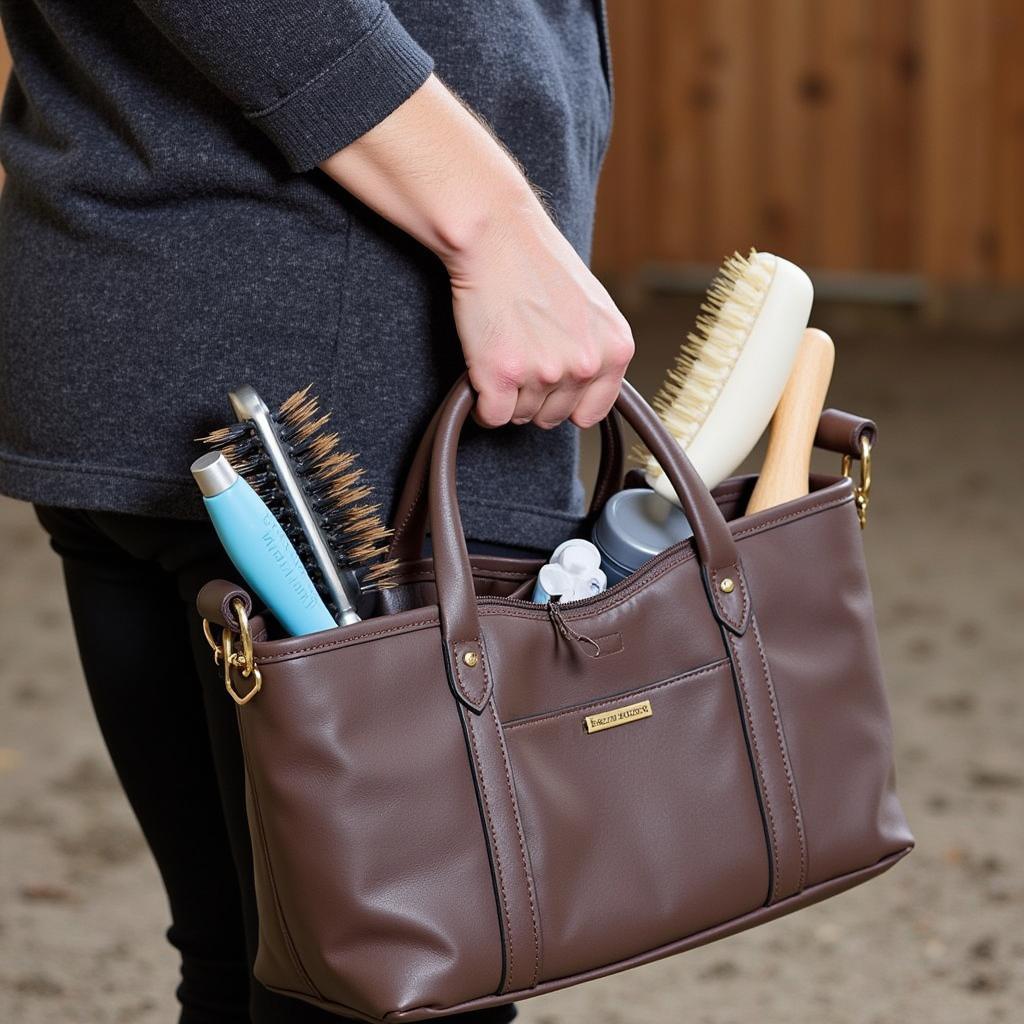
column 172, row 735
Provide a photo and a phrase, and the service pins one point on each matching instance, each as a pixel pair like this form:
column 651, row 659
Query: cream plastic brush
column 731, row 371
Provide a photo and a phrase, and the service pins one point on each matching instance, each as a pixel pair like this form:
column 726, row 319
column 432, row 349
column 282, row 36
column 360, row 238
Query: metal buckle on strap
column 862, row 490
column 225, row 654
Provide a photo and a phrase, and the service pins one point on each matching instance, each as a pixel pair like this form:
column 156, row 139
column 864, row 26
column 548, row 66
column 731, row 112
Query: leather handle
column 410, row 518
column 460, row 624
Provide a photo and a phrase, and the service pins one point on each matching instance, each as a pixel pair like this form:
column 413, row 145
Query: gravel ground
column 939, row 939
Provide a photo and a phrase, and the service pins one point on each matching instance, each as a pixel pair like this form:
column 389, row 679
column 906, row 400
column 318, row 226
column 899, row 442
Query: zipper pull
column 567, row 631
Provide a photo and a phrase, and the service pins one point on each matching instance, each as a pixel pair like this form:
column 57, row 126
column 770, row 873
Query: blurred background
column 880, row 145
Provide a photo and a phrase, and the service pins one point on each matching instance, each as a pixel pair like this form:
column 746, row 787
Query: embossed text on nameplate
column 618, row 716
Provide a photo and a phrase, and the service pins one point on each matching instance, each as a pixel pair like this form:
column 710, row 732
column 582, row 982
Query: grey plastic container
column 634, row 526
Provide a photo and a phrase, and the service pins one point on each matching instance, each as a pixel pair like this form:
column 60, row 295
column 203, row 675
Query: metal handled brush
column 313, row 489
column 732, row 368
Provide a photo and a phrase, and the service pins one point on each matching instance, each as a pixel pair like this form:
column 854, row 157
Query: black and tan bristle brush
column 314, row 489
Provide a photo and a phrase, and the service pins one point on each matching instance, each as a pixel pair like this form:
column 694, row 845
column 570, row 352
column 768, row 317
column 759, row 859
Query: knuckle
column 548, row 374
column 585, row 367
column 509, row 373
column 622, row 350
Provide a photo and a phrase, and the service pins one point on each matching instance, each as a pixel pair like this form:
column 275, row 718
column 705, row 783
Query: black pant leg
column 134, row 648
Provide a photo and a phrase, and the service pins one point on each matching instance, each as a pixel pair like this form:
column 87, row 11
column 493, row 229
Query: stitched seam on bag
column 745, row 603
column 791, row 785
column 752, row 731
column 779, row 520
column 522, row 847
column 483, row 666
column 470, row 727
column 350, row 642
column 400, row 529
column 647, row 688
column 265, row 849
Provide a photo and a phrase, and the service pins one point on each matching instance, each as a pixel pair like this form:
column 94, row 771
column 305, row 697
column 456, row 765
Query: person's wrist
column 470, row 228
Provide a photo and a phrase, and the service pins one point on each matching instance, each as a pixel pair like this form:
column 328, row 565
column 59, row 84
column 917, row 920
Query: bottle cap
column 577, row 555
column 213, row 473
column 636, row 524
column 552, row 581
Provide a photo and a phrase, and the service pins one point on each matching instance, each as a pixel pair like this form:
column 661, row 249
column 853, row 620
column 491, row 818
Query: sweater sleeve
column 313, row 74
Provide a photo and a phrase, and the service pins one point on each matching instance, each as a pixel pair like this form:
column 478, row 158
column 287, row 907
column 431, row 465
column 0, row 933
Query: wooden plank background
column 848, row 135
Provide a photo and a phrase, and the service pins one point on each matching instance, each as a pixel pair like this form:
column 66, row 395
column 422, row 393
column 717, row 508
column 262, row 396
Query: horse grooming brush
column 313, row 489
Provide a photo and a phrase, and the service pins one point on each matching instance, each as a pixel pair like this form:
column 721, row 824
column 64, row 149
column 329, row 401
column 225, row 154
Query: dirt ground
column 939, row 940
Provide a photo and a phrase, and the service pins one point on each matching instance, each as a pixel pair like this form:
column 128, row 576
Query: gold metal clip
column 861, row 491
column 214, row 646
column 225, row 654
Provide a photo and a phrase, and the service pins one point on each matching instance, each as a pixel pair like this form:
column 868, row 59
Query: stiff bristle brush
column 315, row 491
column 732, row 368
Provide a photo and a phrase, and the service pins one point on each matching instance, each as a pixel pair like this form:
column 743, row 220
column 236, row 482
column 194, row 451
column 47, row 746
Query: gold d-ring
column 861, row 491
column 224, row 653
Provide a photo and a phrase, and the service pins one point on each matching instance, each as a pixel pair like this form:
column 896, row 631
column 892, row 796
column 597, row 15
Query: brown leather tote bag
column 472, row 799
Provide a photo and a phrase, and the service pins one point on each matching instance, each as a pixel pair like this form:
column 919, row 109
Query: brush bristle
column 331, row 479
column 707, row 356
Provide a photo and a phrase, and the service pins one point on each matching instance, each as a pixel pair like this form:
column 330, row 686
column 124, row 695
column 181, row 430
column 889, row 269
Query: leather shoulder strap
column 215, row 599
column 842, row 432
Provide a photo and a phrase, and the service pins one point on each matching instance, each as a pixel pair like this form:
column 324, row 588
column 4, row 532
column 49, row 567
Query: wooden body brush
column 787, row 463
column 730, row 371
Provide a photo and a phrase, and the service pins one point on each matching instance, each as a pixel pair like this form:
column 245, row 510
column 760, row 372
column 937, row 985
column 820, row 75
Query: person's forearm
column 435, row 171
column 543, row 340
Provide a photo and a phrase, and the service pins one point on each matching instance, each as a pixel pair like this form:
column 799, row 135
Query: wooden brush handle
column 787, row 463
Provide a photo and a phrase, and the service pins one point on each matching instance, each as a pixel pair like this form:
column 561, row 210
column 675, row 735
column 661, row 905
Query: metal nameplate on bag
column 618, row 716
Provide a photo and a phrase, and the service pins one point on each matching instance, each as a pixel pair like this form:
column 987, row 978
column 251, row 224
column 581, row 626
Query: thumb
column 494, row 404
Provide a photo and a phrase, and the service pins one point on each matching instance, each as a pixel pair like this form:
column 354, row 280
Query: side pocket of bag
column 278, row 965
column 820, row 638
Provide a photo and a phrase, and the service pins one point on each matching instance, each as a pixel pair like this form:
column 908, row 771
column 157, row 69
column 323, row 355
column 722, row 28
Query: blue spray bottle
column 259, row 548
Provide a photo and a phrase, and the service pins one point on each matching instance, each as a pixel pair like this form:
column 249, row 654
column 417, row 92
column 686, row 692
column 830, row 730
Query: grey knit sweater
column 165, row 236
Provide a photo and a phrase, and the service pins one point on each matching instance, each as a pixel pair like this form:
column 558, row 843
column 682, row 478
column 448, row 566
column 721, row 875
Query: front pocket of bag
column 644, row 832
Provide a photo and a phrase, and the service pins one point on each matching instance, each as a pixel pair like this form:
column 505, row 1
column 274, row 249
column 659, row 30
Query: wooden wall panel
column 1008, row 183
column 958, row 235
column 894, row 135
column 730, row 148
column 677, row 162
column 836, row 108
column 785, row 159
column 849, row 135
